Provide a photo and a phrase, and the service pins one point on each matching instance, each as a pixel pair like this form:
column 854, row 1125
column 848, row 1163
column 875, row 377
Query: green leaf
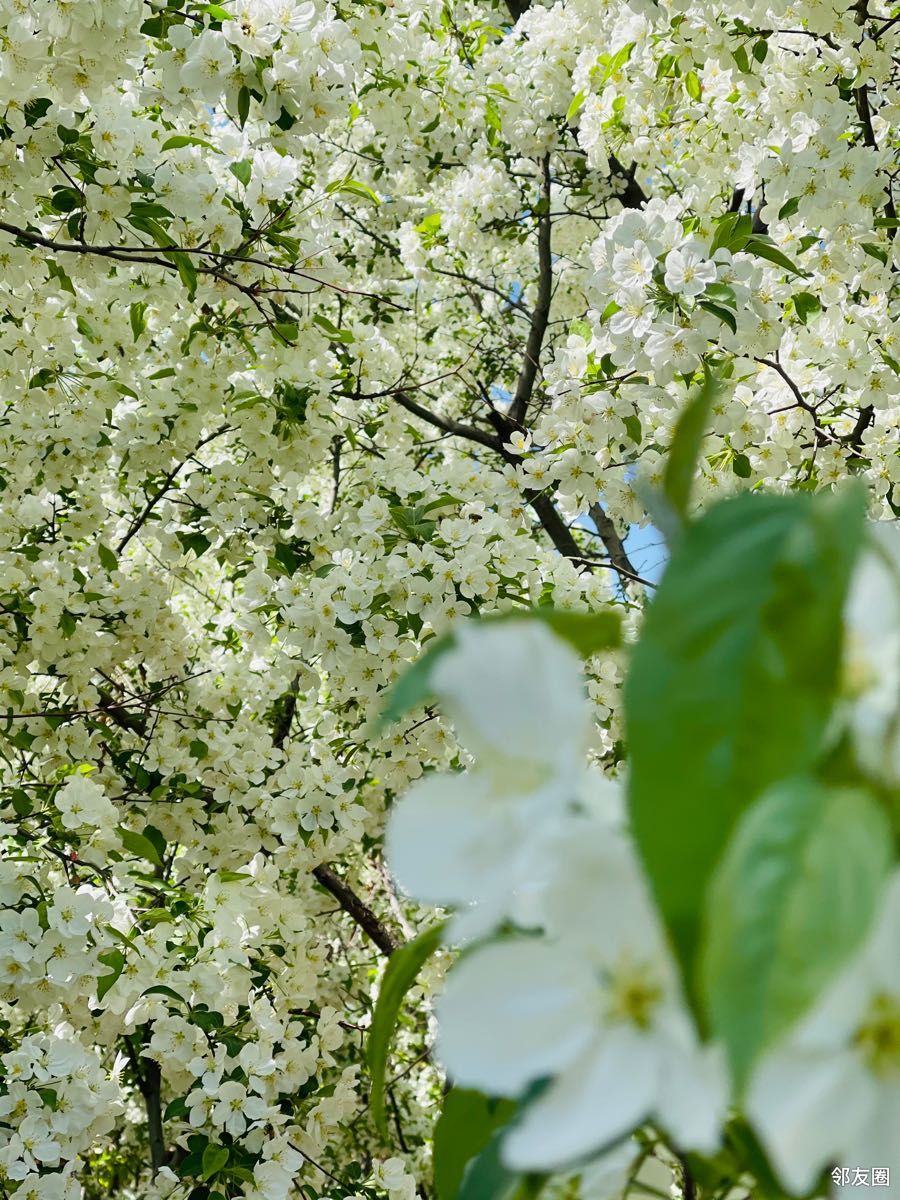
column 732, row 682
column 588, row 633
column 763, row 247
column 160, row 989
column 414, row 685
column 732, row 233
column 632, row 424
column 806, row 305
column 243, row 106
column 681, row 463
column 186, row 139
column 761, row 50
column 789, row 208
column 485, row 1176
column 575, row 107
column 413, row 522
column 740, row 465
column 335, row 334
column 725, row 315
column 399, row 976
column 176, row 1108
column 214, row 1159
column 115, row 960
column 430, row 225
column 140, row 845
column 22, row 803
column 242, row 170
column 467, row 1122
column 199, row 543
column 85, row 328
column 153, row 835
column 790, row 901
column 610, row 64
column 136, row 315
column 66, row 199
column 187, row 272
column 874, row 251
column 692, row 85
column 287, row 331
column 740, row 57
column 217, row 12
column 721, row 293
column 354, row 187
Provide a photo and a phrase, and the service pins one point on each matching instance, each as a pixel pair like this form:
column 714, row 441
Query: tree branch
column 609, row 535
column 541, row 314
column 446, row 424
column 554, row 526
column 148, row 1076
column 518, row 8
column 164, row 487
column 364, row 917
column 633, row 195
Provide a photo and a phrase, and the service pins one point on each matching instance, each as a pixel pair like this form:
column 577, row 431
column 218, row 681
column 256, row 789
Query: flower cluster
column 567, row 995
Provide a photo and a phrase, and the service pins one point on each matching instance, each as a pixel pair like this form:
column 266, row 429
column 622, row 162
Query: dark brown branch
column 487, row 287
column 446, row 424
column 518, row 8
column 541, row 314
column 863, row 421
column 356, row 908
column 554, row 526
column 864, row 112
column 151, row 1090
column 149, row 1081
column 138, row 522
column 138, row 254
column 689, row 1186
column 609, row 535
column 632, row 195
column 821, row 435
column 286, row 719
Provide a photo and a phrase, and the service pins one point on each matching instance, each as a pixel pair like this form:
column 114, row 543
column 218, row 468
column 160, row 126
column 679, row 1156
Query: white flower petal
column 604, row 1095
column 878, row 1142
column 516, row 691
column 805, row 1109
column 604, row 1178
column 513, row 1012
column 598, row 893
column 447, row 838
column 694, row 1097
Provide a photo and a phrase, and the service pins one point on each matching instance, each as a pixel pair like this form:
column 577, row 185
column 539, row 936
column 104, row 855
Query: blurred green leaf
column 732, row 682
column 792, row 898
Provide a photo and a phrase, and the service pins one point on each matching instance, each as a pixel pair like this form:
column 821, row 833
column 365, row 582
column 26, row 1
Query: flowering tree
column 323, row 327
